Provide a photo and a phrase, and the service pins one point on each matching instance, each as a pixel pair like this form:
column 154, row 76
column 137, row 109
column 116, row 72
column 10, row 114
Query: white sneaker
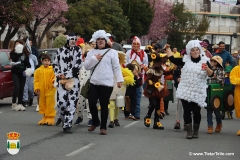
column 14, row 106
column 21, row 107
column 37, row 109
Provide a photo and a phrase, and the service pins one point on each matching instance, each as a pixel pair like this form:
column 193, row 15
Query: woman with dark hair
column 19, row 55
column 104, row 64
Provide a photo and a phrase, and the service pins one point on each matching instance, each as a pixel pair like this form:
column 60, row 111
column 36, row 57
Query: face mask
column 72, row 41
column 19, row 48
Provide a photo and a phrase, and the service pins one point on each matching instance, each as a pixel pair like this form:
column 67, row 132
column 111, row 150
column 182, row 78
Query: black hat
column 157, row 46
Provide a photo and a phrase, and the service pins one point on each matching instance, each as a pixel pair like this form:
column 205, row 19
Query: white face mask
column 72, row 41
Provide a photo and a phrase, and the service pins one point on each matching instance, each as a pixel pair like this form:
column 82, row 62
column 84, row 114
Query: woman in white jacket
column 102, row 79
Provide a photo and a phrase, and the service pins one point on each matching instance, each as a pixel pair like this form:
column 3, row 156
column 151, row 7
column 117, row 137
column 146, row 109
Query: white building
column 224, row 21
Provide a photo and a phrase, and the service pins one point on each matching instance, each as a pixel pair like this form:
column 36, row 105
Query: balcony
column 223, row 29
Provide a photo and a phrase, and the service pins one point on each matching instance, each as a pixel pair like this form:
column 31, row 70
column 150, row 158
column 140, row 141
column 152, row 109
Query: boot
column 42, row 121
column 116, row 122
column 50, row 121
column 218, row 128
column 67, row 130
column 189, row 131
column 195, row 130
column 157, row 124
column 111, row 124
column 147, row 121
column 210, row 130
column 59, row 120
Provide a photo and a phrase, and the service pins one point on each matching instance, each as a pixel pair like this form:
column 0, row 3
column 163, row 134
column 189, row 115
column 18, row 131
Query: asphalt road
column 131, row 141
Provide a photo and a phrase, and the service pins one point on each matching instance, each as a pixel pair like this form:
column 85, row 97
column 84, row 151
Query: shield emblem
column 13, row 146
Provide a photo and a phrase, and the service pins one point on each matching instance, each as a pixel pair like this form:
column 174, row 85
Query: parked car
column 50, row 51
column 6, row 83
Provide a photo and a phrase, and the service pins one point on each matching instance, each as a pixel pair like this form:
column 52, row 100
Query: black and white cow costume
column 67, row 64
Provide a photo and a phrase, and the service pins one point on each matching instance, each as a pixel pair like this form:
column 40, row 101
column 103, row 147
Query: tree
column 59, row 41
column 46, row 14
column 185, row 27
column 140, row 15
column 13, row 14
column 162, row 17
column 85, row 17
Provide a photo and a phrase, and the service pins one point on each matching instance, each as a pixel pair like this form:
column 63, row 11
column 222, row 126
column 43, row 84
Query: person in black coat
column 19, row 54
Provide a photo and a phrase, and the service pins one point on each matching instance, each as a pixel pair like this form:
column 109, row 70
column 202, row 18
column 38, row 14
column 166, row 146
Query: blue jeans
column 138, row 101
column 209, row 117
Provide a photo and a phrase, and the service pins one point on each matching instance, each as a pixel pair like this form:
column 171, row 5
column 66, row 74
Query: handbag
column 86, row 86
column 120, row 100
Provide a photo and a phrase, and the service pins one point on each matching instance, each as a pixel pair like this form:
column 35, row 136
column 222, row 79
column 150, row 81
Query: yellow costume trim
column 157, row 85
column 127, row 76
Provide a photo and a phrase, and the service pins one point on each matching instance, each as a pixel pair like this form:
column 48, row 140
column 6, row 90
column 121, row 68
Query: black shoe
column 138, row 118
column 111, row 124
column 25, row 104
column 147, row 121
column 30, row 102
column 79, row 120
column 166, row 112
column 116, row 122
column 58, row 121
column 67, row 130
column 177, row 126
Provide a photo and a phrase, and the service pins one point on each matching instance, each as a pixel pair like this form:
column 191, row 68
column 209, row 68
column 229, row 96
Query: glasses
column 100, row 39
column 73, row 39
column 134, row 43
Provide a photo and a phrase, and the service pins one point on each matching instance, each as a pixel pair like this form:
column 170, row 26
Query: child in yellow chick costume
column 235, row 80
column 44, row 87
column 128, row 80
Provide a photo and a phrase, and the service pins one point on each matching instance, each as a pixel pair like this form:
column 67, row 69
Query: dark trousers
column 209, row 117
column 155, row 104
column 166, row 105
column 189, row 107
column 19, row 83
column 132, row 95
column 102, row 93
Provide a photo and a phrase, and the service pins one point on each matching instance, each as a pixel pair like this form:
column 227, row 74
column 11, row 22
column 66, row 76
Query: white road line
column 80, row 150
column 130, row 124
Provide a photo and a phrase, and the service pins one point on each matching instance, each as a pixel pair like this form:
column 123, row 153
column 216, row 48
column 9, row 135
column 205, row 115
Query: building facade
column 224, row 25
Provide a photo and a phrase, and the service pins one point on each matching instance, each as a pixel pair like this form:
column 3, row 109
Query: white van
column 129, row 46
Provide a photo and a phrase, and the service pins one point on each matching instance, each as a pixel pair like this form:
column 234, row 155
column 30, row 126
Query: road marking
column 130, row 124
column 80, row 150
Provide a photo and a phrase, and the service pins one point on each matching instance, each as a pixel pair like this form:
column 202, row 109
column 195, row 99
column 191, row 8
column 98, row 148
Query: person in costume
column 218, row 77
column 128, row 80
column 28, row 93
column 192, row 88
column 44, row 78
column 235, row 80
column 142, row 59
column 21, row 68
column 102, row 79
column 66, row 65
column 155, row 90
column 131, row 94
column 83, row 102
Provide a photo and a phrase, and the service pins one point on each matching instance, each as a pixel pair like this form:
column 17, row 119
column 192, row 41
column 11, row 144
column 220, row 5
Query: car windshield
column 51, row 53
column 4, row 60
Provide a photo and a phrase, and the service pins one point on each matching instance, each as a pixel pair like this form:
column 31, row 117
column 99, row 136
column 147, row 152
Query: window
column 4, row 60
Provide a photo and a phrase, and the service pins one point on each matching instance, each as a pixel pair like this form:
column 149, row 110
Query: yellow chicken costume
column 128, row 80
column 43, row 80
column 235, row 80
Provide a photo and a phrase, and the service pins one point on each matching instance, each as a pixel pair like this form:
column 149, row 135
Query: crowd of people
column 118, row 79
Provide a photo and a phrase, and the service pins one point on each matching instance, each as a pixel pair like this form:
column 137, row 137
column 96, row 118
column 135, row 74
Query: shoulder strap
column 98, row 63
